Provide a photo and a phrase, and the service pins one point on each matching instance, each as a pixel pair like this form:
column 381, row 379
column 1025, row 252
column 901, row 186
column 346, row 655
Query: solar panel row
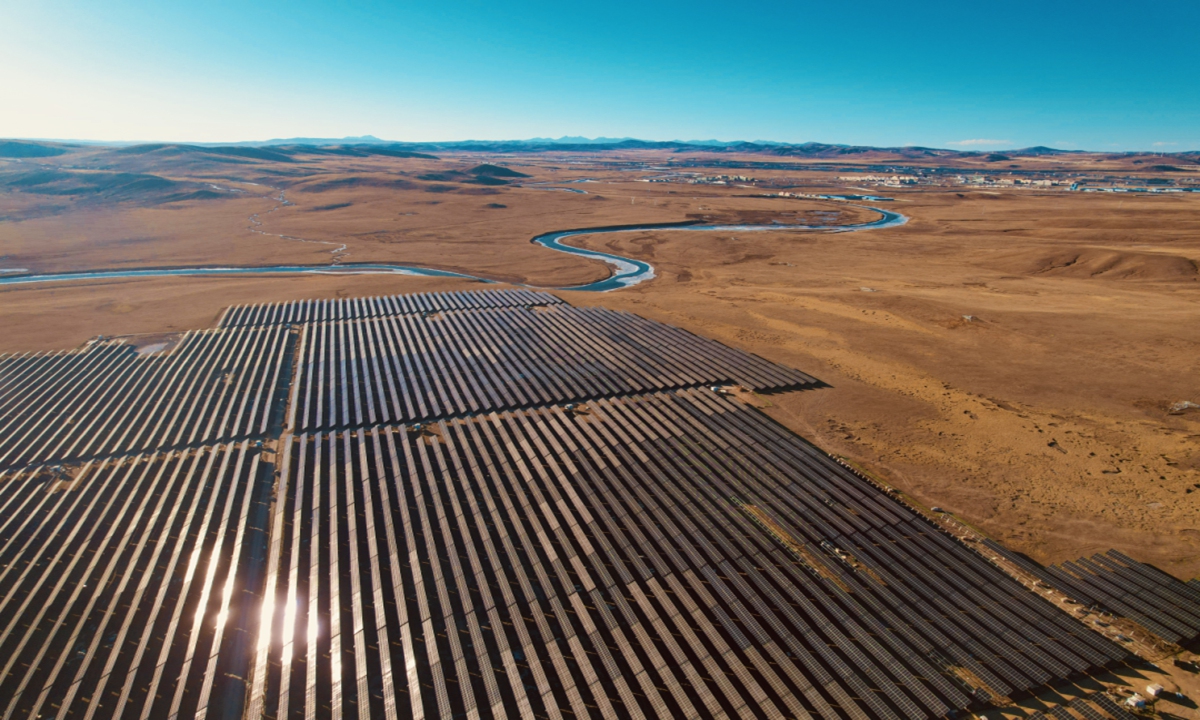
column 108, row 399
column 126, row 589
column 1118, row 584
column 304, row 311
column 1157, row 601
column 1085, row 707
column 406, row 368
column 1111, row 707
column 664, row 555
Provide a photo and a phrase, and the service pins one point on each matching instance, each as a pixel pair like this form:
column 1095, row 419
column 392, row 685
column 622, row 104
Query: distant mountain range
column 582, row 144
column 318, row 142
column 569, row 143
column 371, row 145
column 564, row 140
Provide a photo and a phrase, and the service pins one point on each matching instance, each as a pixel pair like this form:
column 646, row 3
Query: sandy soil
column 977, row 363
column 1009, row 356
column 361, row 211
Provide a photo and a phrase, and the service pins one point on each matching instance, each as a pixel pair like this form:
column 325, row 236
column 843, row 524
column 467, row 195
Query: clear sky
column 1078, row 75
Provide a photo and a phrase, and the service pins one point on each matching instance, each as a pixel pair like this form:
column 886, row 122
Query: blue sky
column 1098, row 75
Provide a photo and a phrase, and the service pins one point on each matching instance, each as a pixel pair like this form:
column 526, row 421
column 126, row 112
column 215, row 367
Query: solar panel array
column 399, row 369
column 122, row 586
column 1118, row 584
column 304, row 311
column 485, row 505
column 665, row 555
column 1086, row 706
column 1106, row 703
column 108, row 399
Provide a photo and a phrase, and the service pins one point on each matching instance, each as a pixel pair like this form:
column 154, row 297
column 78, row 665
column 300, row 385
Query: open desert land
column 431, row 213
column 1013, row 359
column 1020, row 358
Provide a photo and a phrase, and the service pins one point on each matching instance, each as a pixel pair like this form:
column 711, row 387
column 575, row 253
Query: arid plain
column 1010, row 355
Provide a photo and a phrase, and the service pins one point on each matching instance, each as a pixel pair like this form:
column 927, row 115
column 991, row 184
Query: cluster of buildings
column 898, row 178
column 988, row 181
column 706, row 180
column 1129, row 185
column 885, row 180
column 826, row 196
column 1133, row 189
column 721, row 179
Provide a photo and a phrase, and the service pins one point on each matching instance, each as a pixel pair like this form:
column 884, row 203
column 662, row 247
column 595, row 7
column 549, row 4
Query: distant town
column 940, row 177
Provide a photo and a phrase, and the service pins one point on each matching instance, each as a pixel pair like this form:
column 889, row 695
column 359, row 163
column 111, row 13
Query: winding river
column 626, row 271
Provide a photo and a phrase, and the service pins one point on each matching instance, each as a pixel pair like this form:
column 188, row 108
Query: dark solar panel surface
column 1115, row 582
column 126, row 590
column 108, row 399
column 665, row 555
column 660, row 551
column 304, row 311
column 400, row 369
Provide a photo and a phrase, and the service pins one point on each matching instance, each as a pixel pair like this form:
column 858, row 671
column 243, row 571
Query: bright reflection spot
column 289, row 624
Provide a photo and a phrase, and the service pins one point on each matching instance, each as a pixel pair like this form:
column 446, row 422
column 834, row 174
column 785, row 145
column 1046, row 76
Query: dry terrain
column 1012, row 356
column 1013, row 359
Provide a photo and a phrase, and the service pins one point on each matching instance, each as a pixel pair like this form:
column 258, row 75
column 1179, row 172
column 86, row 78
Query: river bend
column 626, row 271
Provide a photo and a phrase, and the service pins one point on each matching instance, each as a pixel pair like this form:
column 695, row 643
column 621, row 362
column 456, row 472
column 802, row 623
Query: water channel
column 626, row 271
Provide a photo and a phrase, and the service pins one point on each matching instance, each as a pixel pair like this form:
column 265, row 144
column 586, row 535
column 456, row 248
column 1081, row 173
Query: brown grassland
column 1009, row 355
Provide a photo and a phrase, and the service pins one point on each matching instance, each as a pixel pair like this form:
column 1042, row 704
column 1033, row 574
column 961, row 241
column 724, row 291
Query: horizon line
column 599, row 140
